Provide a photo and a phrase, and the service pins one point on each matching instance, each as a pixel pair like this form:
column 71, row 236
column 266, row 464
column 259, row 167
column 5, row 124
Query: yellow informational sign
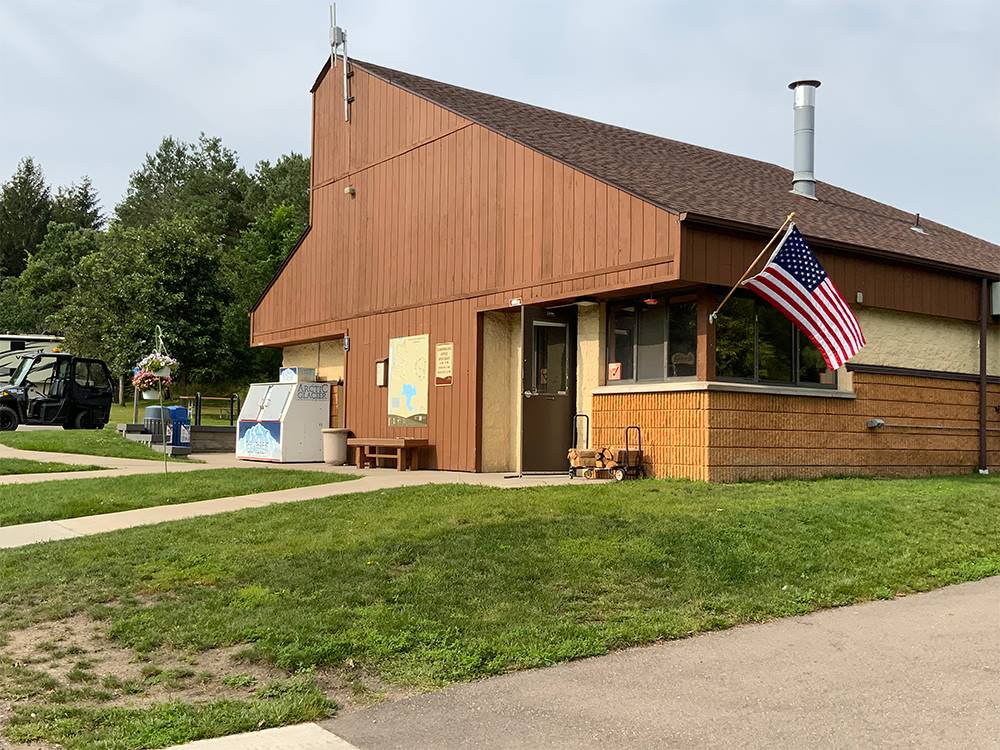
column 408, row 374
column 444, row 363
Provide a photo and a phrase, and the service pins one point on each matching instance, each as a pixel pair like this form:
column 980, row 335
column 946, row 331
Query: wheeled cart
column 607, row 463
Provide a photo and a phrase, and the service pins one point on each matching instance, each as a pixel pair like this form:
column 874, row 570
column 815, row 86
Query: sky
column 908, row 112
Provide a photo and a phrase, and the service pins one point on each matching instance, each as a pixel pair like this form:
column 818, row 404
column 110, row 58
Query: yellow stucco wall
column 589, row 358
column 923, row 342
column 500, row 419
column 326, row 356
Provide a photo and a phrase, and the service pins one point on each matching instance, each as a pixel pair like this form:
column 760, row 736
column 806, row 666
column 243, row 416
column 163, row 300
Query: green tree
column 286, row 182
column 201, row 182
column 25, row 208
column 78, row 204
column 31, row 302
column 248, row 268
column 163, row 274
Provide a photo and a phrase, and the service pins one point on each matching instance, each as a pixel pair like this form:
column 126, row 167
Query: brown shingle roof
column 690, row 179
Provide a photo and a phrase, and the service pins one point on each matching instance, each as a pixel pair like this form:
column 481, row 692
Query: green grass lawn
column 211, row 413
column 104, row 442
column 10, row 466
column 431, row 585
column 45, row 501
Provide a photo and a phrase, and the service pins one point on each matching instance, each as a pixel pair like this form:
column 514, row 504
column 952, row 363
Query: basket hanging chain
column 160, row 347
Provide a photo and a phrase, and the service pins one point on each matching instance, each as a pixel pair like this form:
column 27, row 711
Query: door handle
column 528, row 394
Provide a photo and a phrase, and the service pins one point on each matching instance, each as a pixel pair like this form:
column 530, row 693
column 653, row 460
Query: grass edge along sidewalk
column 73, row 498
column 418, row 587
column 21, row 466
column 106, row 442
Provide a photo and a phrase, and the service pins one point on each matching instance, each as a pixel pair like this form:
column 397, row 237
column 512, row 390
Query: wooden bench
column 404, row 451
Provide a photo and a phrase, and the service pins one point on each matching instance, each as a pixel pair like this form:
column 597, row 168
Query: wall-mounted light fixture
column 874, row 424
column 349, row 190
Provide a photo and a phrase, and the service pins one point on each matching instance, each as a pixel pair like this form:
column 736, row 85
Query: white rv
column 14, row 346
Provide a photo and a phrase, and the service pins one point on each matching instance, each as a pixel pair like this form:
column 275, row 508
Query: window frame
column 667, row 301
column 797, row 338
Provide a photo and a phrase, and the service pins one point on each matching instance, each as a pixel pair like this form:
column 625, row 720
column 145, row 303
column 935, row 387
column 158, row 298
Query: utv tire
column 8, row 419
column 82, row 420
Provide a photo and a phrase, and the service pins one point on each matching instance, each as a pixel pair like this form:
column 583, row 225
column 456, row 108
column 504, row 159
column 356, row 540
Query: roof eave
column 322, row 74
column 721, row 223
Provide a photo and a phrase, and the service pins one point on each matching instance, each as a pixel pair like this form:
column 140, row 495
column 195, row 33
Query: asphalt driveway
column 921, row 671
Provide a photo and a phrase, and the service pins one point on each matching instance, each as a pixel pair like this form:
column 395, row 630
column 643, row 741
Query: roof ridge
column 684, row 177
column 581, row 118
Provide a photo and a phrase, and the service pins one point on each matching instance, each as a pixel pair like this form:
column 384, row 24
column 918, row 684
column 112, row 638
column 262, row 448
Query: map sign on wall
column 408, row 374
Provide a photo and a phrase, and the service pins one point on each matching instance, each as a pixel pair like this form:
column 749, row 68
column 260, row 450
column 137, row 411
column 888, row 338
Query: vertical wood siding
column 448, row 219
column 716, row 256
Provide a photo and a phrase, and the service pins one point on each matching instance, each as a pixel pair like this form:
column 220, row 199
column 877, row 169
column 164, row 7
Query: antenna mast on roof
column 338, row 39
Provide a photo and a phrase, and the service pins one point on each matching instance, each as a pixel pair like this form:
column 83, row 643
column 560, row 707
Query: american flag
column 796, row 283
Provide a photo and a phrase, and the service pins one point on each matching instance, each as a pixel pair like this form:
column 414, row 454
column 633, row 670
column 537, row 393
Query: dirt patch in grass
column 72, row 663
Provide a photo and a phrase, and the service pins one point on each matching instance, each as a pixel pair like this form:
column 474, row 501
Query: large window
column 756, row 343
column 652, row 340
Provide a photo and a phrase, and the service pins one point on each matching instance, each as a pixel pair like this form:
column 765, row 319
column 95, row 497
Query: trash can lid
column 153, row 412
column 336, row 431
column 177, row 412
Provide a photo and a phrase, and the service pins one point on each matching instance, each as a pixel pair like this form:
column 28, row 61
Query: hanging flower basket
column 158, row 363
column 150, row 384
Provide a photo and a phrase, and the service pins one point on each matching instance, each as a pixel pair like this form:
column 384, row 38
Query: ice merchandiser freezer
column 283, row 422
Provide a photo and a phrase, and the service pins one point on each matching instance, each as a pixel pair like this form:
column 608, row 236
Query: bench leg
column 400, row 459
column 358, row 460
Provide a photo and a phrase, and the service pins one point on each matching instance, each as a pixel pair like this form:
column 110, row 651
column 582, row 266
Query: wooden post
column 746, row 274
column 984, row 330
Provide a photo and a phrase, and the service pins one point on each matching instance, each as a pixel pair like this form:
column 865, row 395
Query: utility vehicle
column 55, row 388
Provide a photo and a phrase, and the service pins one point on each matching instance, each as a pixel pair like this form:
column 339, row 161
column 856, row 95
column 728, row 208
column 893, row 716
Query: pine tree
column 78, row 204
column 25, row 210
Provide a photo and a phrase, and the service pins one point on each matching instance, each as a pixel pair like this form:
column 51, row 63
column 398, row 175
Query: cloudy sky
column 909, row 110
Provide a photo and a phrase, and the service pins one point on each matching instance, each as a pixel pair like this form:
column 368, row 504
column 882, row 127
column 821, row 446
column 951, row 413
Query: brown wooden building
column 555, row 252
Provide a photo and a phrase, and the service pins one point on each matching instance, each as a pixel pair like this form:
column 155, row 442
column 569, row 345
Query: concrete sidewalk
column 111, row 467
column 368, row 480
column 921, row 671
column 117, row 467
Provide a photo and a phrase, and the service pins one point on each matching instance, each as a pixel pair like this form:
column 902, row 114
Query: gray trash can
column 335, row 446
column 152, row 421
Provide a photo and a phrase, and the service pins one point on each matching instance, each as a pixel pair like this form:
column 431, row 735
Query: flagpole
column 714, row 315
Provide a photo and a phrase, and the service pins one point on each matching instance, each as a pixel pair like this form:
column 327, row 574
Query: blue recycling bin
column 178, row 426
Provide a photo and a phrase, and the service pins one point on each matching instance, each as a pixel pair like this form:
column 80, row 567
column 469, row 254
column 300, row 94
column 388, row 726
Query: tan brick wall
column 770, row 437
column 932, row 429
column 674, row 429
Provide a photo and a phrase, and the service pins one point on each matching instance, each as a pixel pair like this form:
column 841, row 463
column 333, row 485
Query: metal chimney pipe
column 804, row 180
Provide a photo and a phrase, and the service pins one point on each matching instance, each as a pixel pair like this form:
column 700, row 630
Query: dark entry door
column 548, row 388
